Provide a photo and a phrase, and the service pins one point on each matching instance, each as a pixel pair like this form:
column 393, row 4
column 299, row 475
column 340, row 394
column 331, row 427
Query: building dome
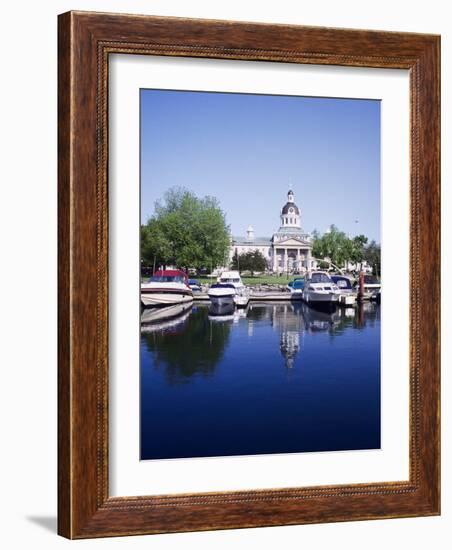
column 287, row 209
column 290, row 213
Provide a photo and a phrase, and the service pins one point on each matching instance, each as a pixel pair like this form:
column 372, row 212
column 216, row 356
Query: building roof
column 257, row 241
column 288, row 205
column 291, row 230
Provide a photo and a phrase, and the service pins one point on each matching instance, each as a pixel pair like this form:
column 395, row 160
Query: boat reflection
column 186, row 346
column 317, row 320
column 163, row 318
column 221, row 312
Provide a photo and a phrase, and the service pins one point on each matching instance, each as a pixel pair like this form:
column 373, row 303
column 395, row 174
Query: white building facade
column 289, row 250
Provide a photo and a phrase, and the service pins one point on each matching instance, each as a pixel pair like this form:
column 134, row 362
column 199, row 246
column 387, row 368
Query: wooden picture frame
column 86, row 40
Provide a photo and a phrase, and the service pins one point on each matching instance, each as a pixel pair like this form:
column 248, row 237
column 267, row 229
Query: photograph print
column 260, row 274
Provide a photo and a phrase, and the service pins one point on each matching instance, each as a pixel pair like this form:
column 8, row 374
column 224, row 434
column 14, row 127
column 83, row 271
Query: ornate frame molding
column 85, row 42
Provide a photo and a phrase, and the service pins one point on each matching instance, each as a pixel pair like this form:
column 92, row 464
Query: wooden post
column 361, row 286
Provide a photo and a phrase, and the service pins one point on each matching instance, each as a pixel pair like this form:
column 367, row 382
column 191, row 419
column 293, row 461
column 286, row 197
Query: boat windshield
column 221, row 285
column 342, row 282
column 320, row 278
column 230, row 280
column 167, row 279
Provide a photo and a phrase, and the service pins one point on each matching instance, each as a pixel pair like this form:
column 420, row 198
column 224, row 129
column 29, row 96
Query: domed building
column 288, row 250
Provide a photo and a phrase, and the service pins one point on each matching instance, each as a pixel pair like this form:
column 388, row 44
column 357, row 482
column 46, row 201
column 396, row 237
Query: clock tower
column 290, row 213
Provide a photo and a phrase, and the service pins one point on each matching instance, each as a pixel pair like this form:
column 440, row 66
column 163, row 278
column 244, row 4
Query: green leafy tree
column 334, row 245
column 357, row 252
column 338, row 247
column 372, row 255
column 315, row 235
column 257, row 261
column 236, row 261
column 185, row 231
column 252, row 260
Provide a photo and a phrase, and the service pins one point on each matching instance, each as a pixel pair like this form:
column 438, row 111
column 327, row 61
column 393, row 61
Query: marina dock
column 254, row 297
column 275, row 296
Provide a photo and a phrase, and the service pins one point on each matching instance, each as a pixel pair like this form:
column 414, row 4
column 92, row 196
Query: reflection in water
column 164, row 318
column 288, row 320
column 222, row 311
column 211, row 386
column 186, row 349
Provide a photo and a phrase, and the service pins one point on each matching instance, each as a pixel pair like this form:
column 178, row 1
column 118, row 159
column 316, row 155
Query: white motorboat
column 242, row 297
column 319, row 288
column 296, row 288
column 347, row 294
column 231, row 278
column 221, row 294
column 194, row 285
column 242, row 294
column 376, row 296
column 166, row 287
column 372, row 288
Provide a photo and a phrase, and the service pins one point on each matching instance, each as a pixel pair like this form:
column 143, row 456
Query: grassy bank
column 249, row 281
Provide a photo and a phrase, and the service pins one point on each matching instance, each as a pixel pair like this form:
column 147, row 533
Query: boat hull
column 221, row 295
column 296, row 294
column 347, row 299
column 164, row 298
column 313, row 297
column 241, row 298
column 241, row 301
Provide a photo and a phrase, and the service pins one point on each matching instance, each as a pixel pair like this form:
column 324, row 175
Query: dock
column 254, row 297
column 201, row 297
column 281, row 296
column 274, row 297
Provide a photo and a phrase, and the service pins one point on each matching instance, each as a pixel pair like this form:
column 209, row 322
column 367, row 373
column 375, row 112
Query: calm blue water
column 276, row 378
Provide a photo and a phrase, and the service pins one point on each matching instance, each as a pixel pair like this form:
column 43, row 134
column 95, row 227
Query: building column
column 285, row 260
column 298, row 260
column 275, row 258
column 308, row 259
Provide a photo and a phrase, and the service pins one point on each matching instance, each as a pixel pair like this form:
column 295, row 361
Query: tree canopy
column 185, row 231
column 338, row 247
column 372, row 255
column 252, row 260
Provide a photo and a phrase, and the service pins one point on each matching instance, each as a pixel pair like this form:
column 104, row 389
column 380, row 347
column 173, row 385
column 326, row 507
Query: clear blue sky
column 248, row 150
